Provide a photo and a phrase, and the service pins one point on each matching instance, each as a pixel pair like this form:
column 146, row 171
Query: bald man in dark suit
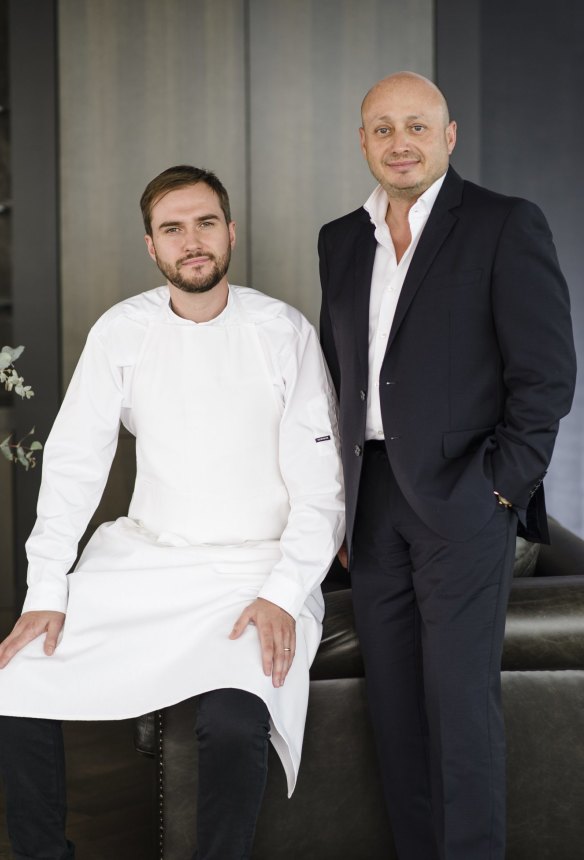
column 446, row 325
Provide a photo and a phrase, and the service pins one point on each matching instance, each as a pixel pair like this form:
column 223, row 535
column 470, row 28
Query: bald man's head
column 411, row 80
column 407, row 135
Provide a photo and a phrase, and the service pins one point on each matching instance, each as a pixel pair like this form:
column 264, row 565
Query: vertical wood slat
column 143, row 85
column 312, row 62
column 458, row 74
column 265, row 92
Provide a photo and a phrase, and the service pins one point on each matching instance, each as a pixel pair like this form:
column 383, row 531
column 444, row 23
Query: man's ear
column 451, row 136
column 231, row 227
column 362, row 140
column 150, row 246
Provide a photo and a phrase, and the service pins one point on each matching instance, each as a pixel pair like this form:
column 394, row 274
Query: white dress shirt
column 386, row 284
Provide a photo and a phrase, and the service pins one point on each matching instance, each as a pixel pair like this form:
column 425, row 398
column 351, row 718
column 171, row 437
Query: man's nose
column 400, row 140
column 192, row 240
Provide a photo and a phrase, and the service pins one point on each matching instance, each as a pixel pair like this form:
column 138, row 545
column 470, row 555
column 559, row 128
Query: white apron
column 155, row 594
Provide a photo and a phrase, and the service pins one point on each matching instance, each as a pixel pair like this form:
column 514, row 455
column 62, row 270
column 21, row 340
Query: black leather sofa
column 336, row 812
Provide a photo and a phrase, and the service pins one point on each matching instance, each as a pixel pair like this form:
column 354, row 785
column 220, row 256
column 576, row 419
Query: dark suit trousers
column 233, row 729
column 430, row 615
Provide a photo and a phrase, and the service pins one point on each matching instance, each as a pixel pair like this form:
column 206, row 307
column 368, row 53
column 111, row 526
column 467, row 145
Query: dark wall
column 533, row 146
column 514, row 76
column 35, row 238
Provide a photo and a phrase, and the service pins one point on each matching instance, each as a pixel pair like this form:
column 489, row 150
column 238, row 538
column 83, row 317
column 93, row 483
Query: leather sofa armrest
column 338, row 655
column 564, row 556
column 545, row 624
column 145, row 732
column 544, row 629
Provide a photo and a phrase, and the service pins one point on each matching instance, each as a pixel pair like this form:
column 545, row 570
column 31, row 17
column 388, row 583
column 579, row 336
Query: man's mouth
column 194, row 261
column 403, row 164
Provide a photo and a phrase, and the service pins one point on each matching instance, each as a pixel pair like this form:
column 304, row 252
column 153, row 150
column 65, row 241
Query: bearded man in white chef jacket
column 210, row 586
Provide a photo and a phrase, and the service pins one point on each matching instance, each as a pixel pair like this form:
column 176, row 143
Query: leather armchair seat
column 337, row 811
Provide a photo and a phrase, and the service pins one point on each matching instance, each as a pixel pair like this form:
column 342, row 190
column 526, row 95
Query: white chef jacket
column 80, row 449
column 148, row 620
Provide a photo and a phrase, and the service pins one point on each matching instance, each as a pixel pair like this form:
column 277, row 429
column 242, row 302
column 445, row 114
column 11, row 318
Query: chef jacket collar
column 225, row 315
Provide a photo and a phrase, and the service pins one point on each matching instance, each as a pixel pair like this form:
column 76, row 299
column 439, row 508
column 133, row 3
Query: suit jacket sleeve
column 531, row 310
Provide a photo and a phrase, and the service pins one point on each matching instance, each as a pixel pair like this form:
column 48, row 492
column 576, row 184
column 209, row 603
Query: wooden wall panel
column 143, row 85
column 264, row 92
column 311, row 62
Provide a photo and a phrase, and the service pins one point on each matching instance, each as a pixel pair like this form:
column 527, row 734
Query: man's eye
column 206, row 223
column 383, row 130
column 418, row 127
column 171, row 230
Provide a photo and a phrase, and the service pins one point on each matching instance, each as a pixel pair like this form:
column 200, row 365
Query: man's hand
column 277, row 631
column 28, row 627
column 343, row 556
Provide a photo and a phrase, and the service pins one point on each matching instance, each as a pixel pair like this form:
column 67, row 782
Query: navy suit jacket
column 480, row 362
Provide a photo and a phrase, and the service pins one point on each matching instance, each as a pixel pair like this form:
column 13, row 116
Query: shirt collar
column 377, row 203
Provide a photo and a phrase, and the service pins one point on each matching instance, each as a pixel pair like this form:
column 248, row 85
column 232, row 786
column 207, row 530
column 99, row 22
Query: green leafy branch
column 17, row 452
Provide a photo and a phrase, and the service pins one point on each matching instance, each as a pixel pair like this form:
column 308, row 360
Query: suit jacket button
column 363, row 395
column 358, row 450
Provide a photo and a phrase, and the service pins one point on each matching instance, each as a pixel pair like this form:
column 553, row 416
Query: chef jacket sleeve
column 76, row 463
column 311, row 468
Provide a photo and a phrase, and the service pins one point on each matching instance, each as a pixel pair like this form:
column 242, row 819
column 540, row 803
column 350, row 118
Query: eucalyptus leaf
column 21, row 457
column 14, row 351
column 12, row 381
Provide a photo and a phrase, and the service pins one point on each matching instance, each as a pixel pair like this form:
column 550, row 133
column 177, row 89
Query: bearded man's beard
column 194, row 281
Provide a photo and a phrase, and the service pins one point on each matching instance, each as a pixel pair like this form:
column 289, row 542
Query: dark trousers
column 232, row 728
column 430, row 615
column 32, row 762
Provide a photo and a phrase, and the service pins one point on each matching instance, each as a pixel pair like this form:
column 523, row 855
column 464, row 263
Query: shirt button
column 358, row 450
column 362, row 395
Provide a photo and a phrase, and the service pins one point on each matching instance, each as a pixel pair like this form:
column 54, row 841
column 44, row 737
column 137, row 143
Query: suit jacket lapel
column 438, row 226
column 365, row 248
